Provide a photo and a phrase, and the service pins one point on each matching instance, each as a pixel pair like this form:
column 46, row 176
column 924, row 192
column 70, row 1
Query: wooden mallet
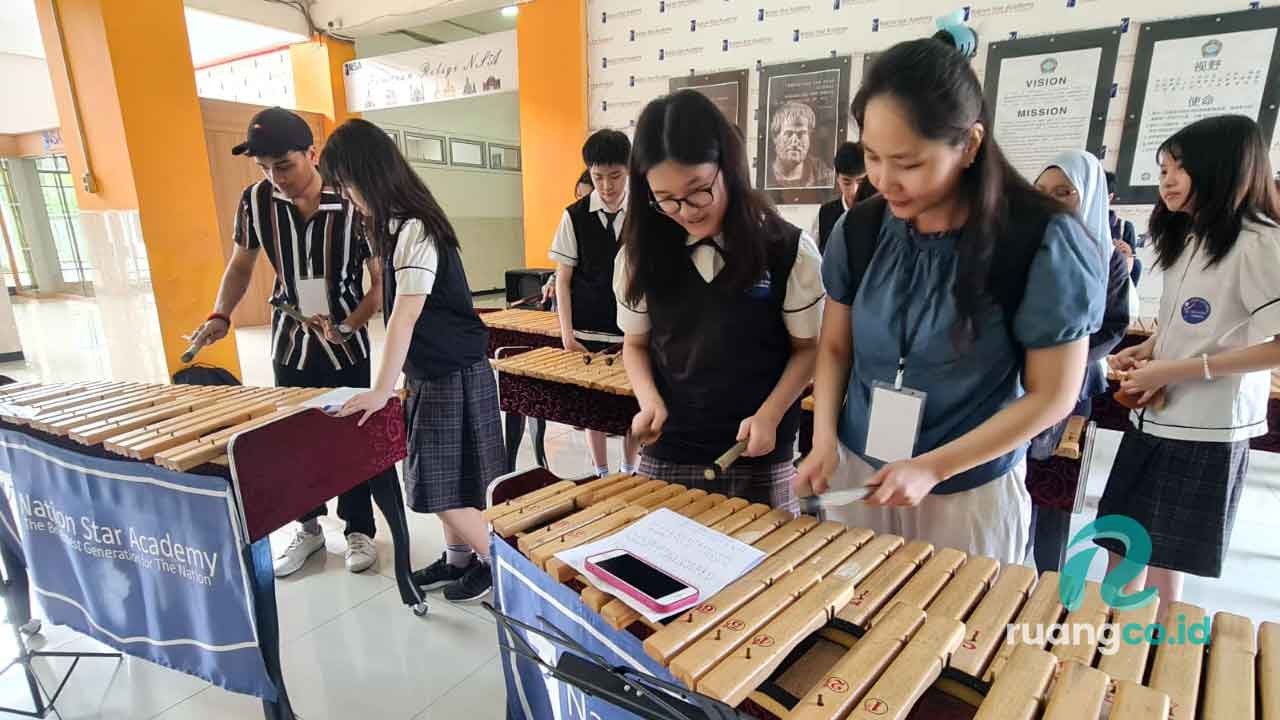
column 723, row 462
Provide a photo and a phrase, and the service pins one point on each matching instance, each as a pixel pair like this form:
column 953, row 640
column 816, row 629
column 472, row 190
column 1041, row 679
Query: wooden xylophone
column 583, row 390
column 521, row 328
column 179, row 427
column 840, row 622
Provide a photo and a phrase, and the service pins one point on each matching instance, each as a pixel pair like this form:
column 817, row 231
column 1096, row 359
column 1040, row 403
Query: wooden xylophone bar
column 849, row 624
column 179, row 427
column 564, row 366
column 535, row 322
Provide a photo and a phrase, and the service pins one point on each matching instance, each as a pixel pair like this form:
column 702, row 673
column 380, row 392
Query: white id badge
column 313, row 297
column 894, row 424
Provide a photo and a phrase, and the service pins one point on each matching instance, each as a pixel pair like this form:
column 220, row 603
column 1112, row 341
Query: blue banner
column 146, row 560
column 529, row 595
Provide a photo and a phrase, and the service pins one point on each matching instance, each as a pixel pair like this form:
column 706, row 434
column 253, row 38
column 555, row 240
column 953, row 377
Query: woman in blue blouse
column 974, row 300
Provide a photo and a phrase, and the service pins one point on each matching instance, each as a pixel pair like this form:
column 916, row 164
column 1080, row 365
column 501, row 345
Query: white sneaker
column 361, row 552
column 303, row 546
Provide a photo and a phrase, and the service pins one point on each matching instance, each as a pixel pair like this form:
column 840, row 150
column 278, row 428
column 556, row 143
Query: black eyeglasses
column 697, row 199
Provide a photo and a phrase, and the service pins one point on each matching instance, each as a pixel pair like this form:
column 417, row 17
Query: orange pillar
column 318, row 84
column 552, row 44
column 143, row 137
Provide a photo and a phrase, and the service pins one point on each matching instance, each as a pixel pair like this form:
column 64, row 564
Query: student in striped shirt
column 314, row 241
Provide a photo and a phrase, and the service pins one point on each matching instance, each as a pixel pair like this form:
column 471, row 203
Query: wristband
column 219, row 316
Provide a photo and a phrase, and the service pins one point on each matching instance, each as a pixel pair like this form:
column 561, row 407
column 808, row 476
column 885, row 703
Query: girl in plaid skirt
column 435, row 336
column 1201, row 383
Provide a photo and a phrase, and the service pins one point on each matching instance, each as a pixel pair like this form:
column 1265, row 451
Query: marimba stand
column 636, row 692
column 14, row 591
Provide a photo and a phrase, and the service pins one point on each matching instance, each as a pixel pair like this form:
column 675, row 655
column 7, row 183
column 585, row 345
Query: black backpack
column 1007, row 282
column 204, row 375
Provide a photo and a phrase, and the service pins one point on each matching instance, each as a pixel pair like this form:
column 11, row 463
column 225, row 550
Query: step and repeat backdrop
column 1115, row 78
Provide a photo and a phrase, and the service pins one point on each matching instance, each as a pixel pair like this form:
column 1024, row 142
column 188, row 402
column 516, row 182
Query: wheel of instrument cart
column 420, row 609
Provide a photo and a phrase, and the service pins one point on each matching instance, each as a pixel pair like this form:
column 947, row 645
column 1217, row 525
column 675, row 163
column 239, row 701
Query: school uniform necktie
column 609, row 217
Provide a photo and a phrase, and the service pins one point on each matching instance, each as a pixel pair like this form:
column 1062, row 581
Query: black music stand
column 14, row 591
column 636, row 692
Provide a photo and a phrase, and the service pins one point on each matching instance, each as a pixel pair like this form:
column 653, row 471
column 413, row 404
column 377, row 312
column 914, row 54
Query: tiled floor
column 351, row 650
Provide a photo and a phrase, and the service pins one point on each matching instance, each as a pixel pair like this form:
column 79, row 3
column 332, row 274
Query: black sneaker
column 441, row 573
column 473, row 586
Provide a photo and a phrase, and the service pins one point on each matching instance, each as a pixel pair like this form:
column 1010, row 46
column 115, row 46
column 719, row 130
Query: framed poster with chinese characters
column 1193, row 68
column 804, row 111
column 1049, row 94
column 728, row 90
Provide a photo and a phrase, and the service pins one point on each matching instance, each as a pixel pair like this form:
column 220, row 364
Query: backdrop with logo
column 637, row 46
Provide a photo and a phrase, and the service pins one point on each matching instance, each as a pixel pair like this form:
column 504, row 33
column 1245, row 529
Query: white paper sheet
column 704, row 558
column 313, row 297
column 333, row 400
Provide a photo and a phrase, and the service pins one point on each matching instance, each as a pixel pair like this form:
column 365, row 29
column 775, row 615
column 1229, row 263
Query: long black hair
column 942, row 99
column 361, row 155
column 1226, row 158
column 687, row 128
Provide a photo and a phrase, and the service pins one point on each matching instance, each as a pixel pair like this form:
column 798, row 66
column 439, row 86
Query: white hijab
column 1090, row 180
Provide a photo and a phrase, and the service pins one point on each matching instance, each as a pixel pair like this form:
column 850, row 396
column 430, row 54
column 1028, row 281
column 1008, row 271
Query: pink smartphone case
column 640, row 597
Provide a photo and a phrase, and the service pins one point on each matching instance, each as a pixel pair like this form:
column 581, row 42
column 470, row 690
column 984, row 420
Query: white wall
column 486, row 207
column 845, row 27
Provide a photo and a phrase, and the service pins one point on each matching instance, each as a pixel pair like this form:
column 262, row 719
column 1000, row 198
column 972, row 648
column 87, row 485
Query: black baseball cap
column 274, row 132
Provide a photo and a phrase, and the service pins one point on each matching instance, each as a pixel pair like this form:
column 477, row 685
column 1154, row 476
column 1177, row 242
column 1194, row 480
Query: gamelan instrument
column 296, row 457
column 563, row 386
column 179, row 427
column 521, row 328
column 840, row 622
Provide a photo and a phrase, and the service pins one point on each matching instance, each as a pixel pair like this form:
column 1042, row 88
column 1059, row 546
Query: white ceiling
column 27, row 103
column 19, row 31
column 217, row 37
column 222, row 28
column 350, row 18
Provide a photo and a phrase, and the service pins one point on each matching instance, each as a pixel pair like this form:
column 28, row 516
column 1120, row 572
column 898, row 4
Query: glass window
column 58, row 188
column 16, row 251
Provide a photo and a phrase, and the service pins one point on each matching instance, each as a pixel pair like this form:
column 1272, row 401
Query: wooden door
column 224, row 128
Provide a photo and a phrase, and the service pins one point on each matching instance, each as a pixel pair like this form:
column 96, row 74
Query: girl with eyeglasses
column 720, row 302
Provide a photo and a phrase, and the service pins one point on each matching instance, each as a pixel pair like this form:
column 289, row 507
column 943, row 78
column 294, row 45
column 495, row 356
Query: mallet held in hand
column 723, row 462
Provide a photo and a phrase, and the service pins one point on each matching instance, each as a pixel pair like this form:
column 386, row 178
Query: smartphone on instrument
column 654, row 588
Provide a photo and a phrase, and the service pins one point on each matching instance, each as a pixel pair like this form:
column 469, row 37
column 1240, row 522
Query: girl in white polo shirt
column 1182, row 465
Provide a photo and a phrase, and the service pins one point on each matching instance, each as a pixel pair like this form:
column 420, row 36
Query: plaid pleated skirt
column 455, row 439
column 1185, row 493
column 768, row 483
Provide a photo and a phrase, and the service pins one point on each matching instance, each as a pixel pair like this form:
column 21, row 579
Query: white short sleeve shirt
column 1208, row 310
column 801, row 306
column 415, row 259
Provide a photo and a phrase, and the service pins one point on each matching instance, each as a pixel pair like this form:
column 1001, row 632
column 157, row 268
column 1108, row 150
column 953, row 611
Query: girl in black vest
column 719, row 300
column 436, row 338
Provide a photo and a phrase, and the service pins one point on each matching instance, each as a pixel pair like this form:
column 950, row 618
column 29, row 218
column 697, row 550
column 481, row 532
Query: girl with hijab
column 1076, row 179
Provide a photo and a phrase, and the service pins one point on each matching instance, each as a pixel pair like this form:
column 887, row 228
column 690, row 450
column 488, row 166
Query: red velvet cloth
column 287, row 468
column 500, row 338
column 566, row 403
column 1052, row 483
